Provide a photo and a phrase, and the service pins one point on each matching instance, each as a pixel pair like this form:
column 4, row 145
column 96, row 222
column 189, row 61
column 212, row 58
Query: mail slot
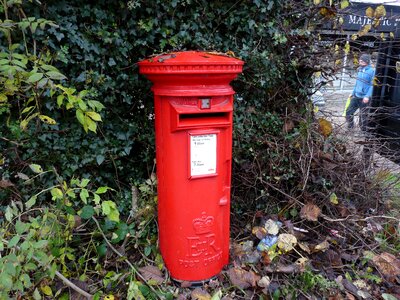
column 193, row 103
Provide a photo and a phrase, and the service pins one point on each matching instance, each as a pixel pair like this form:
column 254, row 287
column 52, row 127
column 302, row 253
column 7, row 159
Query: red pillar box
column 193, row 123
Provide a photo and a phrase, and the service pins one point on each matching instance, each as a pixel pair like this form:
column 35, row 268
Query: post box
column 193, row 122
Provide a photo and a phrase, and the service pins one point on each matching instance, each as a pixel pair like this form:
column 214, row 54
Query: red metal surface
column 193, row 123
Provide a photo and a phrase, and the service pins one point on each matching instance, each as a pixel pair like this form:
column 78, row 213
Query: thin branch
column 134, row 269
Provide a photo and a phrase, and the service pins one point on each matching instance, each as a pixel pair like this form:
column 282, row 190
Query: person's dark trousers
column 357, row 103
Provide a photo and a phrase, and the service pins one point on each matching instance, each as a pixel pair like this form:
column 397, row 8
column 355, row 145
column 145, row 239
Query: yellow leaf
column 380, row 12
column 325, row 127
column 347, row 47
column 46, row 290
column 47, row 120
column 369, row 12
column 365, row 30
column 94, row 116
column 316, row 2
column 391, row 35
column 344, row 4
column 109, row 297
column 333, row 199
column 383, row 36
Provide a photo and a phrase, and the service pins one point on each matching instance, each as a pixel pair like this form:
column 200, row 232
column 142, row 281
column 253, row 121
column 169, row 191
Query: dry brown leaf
column 200, row 294
column 325, row 127
column 5, row 184
column 152, row 274
column 304, row 247
column 242, row 278
column 310, row 212
column 259, row 232
column 286, row 242
column 321, row 246
column 387, row 264
column 288, row 126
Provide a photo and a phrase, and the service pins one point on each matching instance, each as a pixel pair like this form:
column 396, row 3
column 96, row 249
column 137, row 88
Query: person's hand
column 365, row 100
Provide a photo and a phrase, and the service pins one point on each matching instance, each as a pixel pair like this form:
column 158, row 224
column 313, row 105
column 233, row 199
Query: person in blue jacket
column 362, row 92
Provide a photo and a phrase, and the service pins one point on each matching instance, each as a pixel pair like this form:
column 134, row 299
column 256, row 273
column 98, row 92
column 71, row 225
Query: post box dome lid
column 191, row 62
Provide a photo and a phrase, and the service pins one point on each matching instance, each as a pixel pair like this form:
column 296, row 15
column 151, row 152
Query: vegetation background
column 78, row 190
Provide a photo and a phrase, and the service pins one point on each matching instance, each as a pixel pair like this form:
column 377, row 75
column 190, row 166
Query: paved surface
column 335, row 100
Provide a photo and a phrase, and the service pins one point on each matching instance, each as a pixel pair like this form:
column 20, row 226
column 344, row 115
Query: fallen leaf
column 286, row 242
column 350, row 287
column 288, row 126
column 333, row 199
column 152, row 275
column 325, row 127
column 5, row 184
column 259, row 232
column 242, row 278
column 304, row 247
column 200, row 294
column 387, row 264
column 264, row 282
column 272, row 227
column 302, row 262
column 321, row 246
column 310, row 212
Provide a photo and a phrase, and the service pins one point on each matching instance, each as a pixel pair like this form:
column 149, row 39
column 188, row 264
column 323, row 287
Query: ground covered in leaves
column 314, row 257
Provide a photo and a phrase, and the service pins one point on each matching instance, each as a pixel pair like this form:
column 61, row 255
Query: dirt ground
column 335, row 100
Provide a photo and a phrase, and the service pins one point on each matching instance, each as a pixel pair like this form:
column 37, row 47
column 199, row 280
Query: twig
column 60, row 276
column 134, row 269
column 364, row 219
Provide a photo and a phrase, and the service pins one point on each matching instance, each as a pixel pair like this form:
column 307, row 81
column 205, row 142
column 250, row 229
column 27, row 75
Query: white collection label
column 203, row 154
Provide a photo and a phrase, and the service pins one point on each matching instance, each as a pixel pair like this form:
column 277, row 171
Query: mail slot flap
column 185, row 117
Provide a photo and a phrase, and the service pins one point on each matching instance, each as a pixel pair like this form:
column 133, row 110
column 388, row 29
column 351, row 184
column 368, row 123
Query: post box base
column 193, row 284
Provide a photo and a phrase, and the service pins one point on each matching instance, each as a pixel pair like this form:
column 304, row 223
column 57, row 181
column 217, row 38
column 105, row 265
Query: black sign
column 355, row 19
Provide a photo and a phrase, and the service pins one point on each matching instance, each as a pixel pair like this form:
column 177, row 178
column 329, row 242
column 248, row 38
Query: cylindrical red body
column 193, row 116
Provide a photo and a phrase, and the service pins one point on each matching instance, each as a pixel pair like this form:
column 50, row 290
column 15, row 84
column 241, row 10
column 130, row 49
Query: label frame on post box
column 203, row 153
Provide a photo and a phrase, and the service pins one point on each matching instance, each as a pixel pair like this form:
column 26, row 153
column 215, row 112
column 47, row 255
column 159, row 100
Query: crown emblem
column 204, row 224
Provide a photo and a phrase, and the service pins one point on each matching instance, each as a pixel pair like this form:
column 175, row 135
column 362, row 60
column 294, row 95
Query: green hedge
column 97, row 45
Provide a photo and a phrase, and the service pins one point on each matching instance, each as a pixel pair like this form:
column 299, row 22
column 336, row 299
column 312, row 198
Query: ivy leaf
column 87, row 212
column 6, row 282
column 14, row 241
